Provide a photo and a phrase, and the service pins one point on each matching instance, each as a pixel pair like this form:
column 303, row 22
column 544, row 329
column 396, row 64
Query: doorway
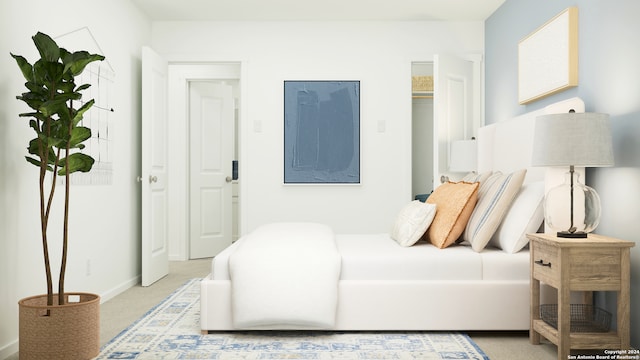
column 446, row 110
column 166, row 158
column 203, row 107
column 421, row 129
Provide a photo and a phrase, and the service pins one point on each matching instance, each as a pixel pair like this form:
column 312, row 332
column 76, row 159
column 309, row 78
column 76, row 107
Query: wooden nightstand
column 597, row 263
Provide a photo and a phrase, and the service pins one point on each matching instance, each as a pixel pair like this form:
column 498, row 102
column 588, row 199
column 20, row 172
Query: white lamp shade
column 580, row 139
column 464, row 156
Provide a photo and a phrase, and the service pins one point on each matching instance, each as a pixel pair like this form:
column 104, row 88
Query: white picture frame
column 548, row 58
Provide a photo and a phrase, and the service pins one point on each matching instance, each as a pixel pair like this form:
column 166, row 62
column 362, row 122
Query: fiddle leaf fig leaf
column 77, row 162
column 53, row 106
column 37, row 163
column 83, row 87
column 47, row 48
column 80, row 113
column 77, row 61
column 35, row 149
column 25, row 67
column 78, row 135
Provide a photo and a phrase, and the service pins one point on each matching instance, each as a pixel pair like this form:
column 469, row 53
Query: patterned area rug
column 171, row 330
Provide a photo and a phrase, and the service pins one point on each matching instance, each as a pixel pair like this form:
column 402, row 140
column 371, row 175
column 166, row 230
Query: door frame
column 477, row 114
column 180, row 74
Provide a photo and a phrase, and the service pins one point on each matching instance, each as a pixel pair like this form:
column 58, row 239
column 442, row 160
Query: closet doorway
column 422, row 128
column 447, row 109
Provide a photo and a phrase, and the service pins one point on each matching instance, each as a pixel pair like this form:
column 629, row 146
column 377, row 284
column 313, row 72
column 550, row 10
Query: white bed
column 384, row 286
column 387, row 287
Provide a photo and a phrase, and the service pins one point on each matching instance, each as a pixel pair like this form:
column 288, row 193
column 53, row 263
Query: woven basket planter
column 70, row 331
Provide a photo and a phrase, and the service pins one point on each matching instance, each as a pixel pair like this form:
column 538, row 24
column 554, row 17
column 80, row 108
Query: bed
column 381, row 285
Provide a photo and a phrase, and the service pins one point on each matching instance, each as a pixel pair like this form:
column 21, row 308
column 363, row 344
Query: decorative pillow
column 524, row 216
column 475, row 177
column 412, row 221
column 494, row 198
column 455, row 202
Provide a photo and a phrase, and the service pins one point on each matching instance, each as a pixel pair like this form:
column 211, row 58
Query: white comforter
column 285, row 275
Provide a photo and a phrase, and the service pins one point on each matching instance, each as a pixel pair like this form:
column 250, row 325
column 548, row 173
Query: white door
column 211, row 119
column 453, row 109
column 155, row 252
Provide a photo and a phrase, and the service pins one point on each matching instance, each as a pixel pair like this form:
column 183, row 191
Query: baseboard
column 8, row 350
column 110, row 294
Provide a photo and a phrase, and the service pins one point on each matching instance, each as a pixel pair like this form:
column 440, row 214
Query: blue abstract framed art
column 321, row 132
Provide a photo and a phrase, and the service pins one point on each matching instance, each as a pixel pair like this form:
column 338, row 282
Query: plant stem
column 44, row 211
column 44, row 219
column 65, row 231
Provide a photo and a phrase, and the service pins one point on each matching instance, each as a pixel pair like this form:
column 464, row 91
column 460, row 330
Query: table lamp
column 569, row 140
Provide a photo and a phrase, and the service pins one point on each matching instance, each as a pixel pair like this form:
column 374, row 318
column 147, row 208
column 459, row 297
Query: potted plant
column 57, row 325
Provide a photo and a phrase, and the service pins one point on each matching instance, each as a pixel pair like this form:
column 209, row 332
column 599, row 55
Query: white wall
column 105, row 219
column 379, row 54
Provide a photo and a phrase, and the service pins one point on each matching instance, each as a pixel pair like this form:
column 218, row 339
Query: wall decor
column 548, row 58
column 321, row 132
column 100, row 117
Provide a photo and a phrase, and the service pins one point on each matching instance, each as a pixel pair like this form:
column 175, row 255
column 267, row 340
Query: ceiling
column 307, row 10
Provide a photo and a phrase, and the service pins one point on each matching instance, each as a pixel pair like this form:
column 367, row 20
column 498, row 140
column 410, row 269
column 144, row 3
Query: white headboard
column 507, row 145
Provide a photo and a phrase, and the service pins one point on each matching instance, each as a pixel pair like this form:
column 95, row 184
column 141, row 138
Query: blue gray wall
column 609, row 82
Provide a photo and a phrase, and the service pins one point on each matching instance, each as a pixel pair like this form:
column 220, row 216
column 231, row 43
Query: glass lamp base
column 572, row 208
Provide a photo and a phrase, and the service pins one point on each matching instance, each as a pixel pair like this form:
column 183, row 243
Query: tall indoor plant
column 56, row 112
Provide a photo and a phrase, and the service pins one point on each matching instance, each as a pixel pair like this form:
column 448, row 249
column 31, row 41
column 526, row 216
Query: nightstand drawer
column 546, row 263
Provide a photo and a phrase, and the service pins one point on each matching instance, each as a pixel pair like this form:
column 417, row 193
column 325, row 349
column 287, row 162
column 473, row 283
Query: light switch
column 257, row 126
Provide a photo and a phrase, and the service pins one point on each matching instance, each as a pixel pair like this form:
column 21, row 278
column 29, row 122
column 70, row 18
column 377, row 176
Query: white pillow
column 524, row 216
column 494, row 198
column 412, row 222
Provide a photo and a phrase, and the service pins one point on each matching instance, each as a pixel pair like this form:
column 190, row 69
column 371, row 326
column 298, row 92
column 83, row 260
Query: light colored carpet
column 118, row 313
column 171, row 330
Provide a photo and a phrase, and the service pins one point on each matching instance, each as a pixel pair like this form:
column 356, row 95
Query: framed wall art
column 321, row 132
column 548, row 58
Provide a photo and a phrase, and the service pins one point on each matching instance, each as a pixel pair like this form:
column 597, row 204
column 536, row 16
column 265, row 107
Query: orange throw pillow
column 454, row 203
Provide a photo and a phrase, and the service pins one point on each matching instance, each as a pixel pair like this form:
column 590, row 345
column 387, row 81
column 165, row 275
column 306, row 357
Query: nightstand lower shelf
column 581, row 340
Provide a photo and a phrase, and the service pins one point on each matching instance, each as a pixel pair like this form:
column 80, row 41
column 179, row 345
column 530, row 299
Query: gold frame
column 548, row 58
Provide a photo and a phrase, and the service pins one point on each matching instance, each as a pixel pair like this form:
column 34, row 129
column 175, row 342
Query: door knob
column 139, row 178
column 152, row 179
column 228, row 179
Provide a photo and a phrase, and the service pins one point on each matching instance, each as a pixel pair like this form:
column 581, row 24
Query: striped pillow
column 494, row 199
column 475, row 177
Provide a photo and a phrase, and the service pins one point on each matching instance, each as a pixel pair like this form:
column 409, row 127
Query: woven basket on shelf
column 421, row 83
column 70, row 331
